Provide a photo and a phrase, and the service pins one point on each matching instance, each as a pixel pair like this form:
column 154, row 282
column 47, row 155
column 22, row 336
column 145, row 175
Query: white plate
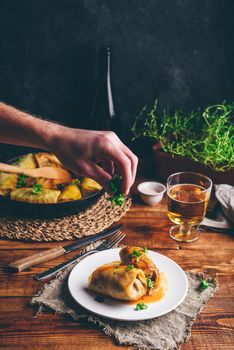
column 177, row 287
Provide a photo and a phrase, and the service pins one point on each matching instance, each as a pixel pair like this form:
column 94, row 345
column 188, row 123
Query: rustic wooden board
column 213, row 253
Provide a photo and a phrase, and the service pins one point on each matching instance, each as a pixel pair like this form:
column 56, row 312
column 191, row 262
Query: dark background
column 180, row 51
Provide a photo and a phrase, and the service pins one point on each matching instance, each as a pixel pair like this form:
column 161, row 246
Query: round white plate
column 177, row 287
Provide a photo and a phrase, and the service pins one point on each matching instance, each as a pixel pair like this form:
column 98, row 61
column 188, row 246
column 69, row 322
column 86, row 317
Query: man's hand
column 94, row 154
column 84, row 152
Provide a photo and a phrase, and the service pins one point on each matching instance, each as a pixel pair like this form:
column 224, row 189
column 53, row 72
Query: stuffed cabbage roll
column 118, row 281
column 8, row 181
column 47, row 159
column 27, row 162
column 138, row 257
column 27, row 195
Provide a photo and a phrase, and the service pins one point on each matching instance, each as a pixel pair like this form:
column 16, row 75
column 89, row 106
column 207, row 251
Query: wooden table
column 146, row 226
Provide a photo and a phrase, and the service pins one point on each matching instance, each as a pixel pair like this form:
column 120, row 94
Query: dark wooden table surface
column 147, row 226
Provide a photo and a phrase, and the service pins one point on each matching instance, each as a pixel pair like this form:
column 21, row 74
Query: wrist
column 52, row 136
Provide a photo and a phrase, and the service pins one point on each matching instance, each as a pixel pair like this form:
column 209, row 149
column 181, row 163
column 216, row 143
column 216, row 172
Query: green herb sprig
column 203, row 284
column 203, row 135
column 21, row 181
column 130, row 267
column 141, row 306
column 150, row 283
column 37, row 189
column 115, row 186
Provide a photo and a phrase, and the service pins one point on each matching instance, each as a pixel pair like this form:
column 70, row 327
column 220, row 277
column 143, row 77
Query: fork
column 107, row 244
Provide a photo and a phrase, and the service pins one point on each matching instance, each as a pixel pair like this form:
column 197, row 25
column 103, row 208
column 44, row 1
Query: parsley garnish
column 117, row 199
column 145, row 250
column 130, row 267
column 21, row 181
column 115, row 187
column 37, row 188
column 141, row 306
column 60, row 187
column 135, row 253
column 150, row 283
column 76, row 182
column 203, row 284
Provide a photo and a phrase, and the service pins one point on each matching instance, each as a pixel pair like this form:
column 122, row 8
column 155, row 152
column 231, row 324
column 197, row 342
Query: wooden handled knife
column 22, row 264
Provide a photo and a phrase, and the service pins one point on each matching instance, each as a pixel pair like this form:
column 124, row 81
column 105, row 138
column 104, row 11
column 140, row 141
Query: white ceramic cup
column 151, row 192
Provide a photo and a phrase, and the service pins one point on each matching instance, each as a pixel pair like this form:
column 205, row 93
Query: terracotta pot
column 166, row 165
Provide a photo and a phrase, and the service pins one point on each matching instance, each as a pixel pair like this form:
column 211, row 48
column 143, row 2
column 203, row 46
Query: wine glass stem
column 185, row 230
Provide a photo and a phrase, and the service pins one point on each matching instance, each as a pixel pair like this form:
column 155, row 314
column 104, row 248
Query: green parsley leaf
column 117, row 199
column 135, row 253
column 203, row 284
column 150, row 283
column 115, row 186
column 145, row 250
column 76, row 182
column 141, row 306
column 37, row 188
column 21, row 181
column 130, row 267
column 60, row 187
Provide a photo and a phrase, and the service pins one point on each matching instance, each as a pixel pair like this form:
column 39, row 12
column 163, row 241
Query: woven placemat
column 87, row 222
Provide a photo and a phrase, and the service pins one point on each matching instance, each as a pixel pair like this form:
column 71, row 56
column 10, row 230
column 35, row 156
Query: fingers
column 108, row 166
column 96, row 173
column 123, row 163
column 133, row 158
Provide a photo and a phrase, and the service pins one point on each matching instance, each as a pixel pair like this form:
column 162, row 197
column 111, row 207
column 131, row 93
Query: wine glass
column 188, row 196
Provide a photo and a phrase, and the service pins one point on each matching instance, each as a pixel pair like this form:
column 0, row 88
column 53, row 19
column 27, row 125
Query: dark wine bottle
column 105, row 113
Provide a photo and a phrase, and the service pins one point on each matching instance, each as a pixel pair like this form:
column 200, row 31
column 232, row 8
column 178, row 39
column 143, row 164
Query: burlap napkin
column 163, row 333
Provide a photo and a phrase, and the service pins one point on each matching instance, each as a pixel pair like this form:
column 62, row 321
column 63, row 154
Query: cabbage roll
column 8, row 181
column 47, row 160
column 118, row 281
column 26, row 195
column 139, row 258
column 27, row 162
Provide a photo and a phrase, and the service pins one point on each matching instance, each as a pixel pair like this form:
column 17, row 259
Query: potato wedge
column 70, row 193
column 89, row 186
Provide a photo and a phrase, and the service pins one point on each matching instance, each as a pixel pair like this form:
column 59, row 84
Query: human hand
column 82, row 150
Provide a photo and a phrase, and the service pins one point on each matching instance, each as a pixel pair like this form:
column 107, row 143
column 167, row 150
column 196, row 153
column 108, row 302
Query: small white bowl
column 151, row 192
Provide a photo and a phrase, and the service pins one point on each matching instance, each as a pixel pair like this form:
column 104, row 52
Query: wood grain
column 147, row 226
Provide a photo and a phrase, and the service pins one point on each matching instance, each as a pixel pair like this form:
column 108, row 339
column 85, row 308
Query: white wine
column 187, row 204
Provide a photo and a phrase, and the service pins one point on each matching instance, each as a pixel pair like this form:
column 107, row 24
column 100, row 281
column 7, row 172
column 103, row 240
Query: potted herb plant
column 199, row 141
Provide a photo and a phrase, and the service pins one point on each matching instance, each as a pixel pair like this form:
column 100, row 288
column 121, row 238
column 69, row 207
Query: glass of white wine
column 188, row 195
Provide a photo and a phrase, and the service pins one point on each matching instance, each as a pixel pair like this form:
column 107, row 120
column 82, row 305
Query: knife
column 22, row 264
column 107, row 244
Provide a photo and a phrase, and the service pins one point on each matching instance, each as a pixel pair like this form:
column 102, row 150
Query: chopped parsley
column 37, row 188
column 145, row 250
column 117, row 199
column 99, row 299
column 203, row 284
column 76, row 182
column 60, row 187
column 130, row 267
column 115, row 186
column 150, row 283
column 141, row 306
column 21, row 181
column 135, row 254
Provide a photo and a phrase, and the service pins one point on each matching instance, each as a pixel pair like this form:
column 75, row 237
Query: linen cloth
column 163, row 333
